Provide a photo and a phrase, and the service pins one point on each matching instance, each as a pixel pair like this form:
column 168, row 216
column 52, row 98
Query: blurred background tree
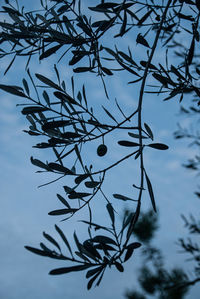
column 154, row 279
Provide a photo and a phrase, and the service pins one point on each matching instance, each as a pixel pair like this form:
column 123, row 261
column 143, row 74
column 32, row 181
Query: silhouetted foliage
column 153, row 276
column 146, row 226
column 157, row 280
column 65, row 119
column 190, row 246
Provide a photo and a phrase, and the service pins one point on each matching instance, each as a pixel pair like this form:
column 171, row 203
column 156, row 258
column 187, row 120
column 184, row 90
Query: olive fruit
column 102, row 150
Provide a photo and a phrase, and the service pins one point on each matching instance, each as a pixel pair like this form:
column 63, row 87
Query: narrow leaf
column 65, row 97
column 191, row 51
column 107, row 71
column 127, row 143
column 69, row 135
column 47, row 81
column 13, row 90
column 151, row 66
column 55, row 124
column 91, row 281
column 82, row 256
column 69, row 269
column 91, row 184
column 82, row 69
column 141, row 40
column 60, row 232
column 63, row 201
column 78, row 155
column 49, row 52
column 88, row 249
column 10, row 64
column 109, row 114
column 81, row 178
column 103, row 239
column 128, row 254
column 127, row 58
column 134, row 245
column 150, row 189
column 37, row 251
column 93, row 271
column 122, row 197
column 133, row 135
column 144, row 18
column 111, row 212
column 164, row 80
column 50, row 239
column 33, row 109
column 39, row 163
column 46, row 97
column 62, row 212
column 25, row 83
column 84, row 95
column 77, row 241
column 123, row 27
column 60, row 168
column 159, row 146
column 130, row 70
column 119, row 267
column 149, row 131
column 78, row 195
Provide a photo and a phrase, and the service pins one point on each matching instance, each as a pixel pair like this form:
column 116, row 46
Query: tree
column 190, row 246
column 66, row 121
column 154, row 279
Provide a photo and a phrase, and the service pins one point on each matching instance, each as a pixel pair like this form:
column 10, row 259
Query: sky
column 24, row 207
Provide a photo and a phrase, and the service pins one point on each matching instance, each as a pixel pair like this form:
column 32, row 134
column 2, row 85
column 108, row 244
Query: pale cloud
column 173, row 165
column 164, row 134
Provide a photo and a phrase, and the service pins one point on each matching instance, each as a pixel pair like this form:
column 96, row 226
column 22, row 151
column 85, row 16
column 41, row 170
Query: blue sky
column 24, row 207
